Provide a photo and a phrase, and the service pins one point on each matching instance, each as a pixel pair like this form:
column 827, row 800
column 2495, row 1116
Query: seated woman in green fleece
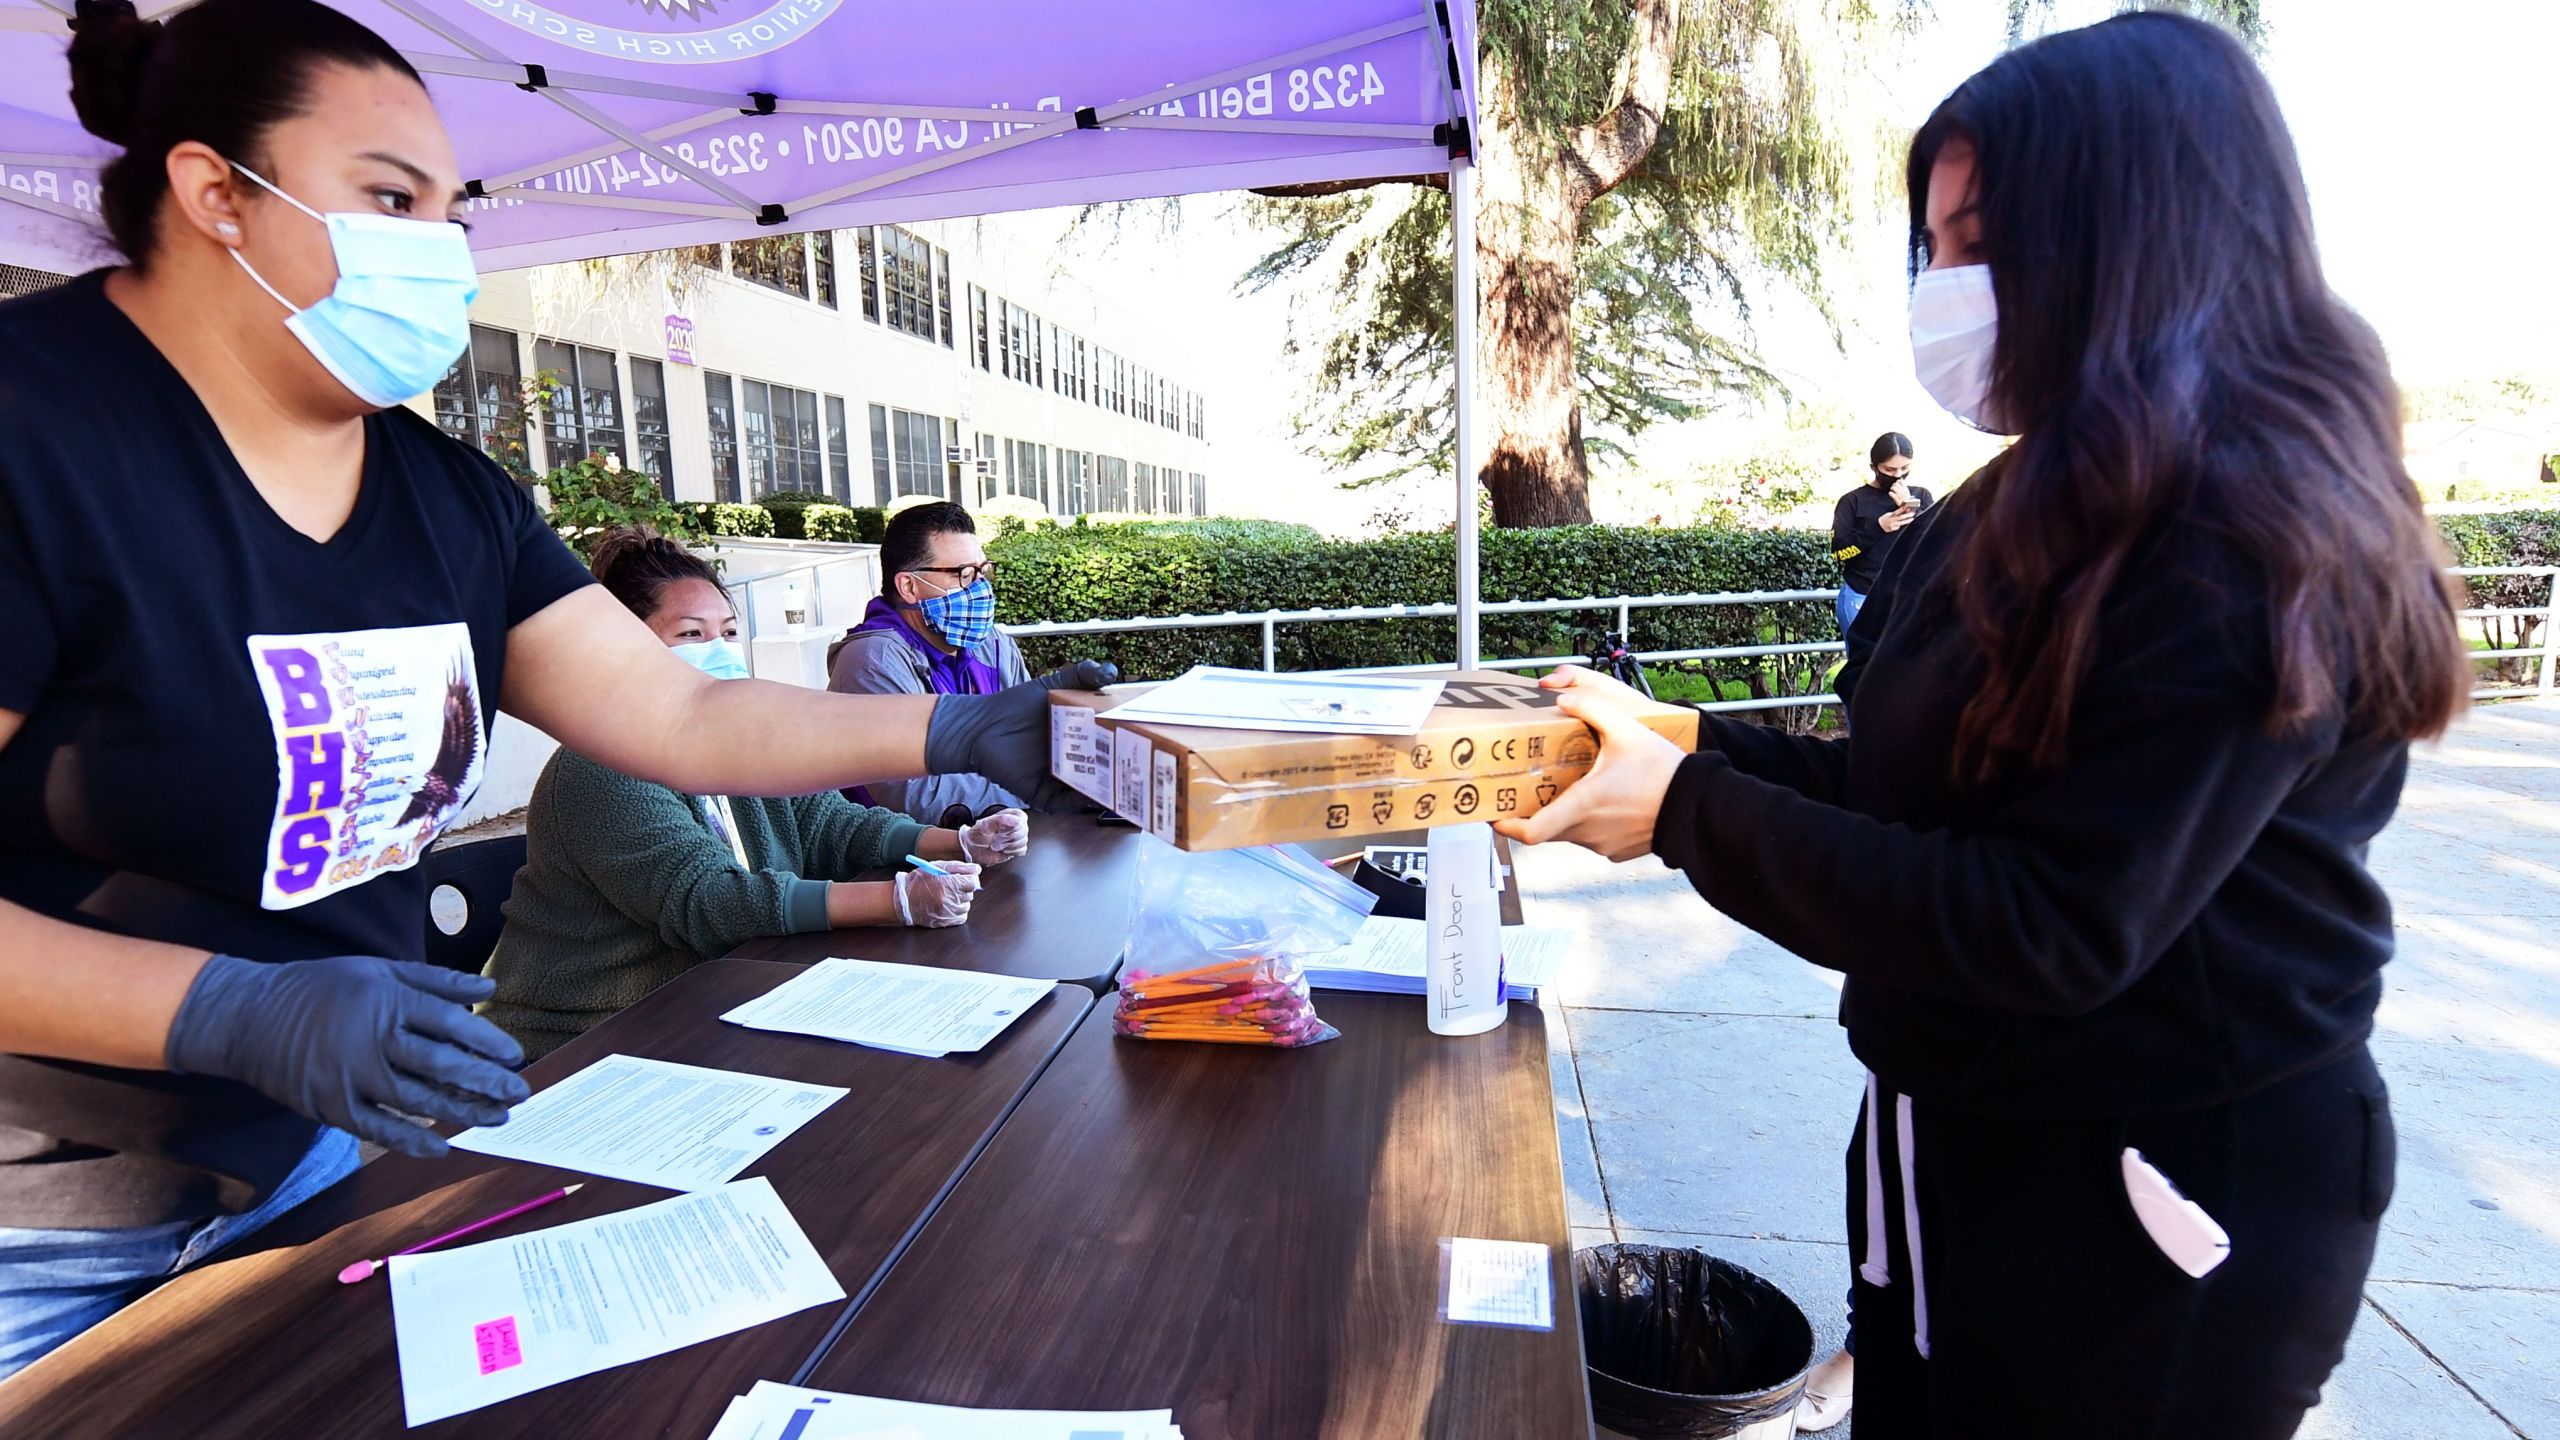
column 627, row 883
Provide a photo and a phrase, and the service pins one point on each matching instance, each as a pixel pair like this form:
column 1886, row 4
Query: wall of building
column 751, row 332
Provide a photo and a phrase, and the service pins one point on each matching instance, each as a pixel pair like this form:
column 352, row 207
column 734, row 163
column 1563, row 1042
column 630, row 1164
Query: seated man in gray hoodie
column 931, row 631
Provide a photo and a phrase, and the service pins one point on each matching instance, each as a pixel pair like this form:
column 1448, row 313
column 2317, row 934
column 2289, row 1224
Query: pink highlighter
column 363, row 1269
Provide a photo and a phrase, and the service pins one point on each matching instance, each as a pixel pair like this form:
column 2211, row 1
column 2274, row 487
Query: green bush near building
column 1094, row 570
column 788, row 507
column 599, row 493
column 1122, row 567
column 742, row 521
column 844, row 524
column 1166, row 568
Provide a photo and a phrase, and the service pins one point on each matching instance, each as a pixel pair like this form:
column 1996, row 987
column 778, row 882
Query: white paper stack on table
column 654, row 1122
column 1222, row 699
column 1386, row 958
column 786, row 1412
column 909, row 1009
column 488, row 1322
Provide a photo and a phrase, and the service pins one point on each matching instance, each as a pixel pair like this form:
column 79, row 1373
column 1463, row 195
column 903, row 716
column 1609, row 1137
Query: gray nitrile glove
column 348, row 1040
column 1005, row 736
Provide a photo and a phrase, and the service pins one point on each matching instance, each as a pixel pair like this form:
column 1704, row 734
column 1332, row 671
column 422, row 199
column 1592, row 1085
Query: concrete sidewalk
column 1704, row 1092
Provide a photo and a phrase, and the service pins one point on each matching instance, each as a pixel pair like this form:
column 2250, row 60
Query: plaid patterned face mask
column 966, row 616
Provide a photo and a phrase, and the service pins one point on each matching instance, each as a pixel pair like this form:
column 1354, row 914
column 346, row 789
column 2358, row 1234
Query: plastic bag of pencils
column 1214, row 943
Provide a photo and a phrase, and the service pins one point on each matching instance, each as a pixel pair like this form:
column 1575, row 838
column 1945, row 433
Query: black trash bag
column 1683, row 1346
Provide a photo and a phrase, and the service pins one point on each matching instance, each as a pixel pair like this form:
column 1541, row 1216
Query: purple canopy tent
column 604, row 127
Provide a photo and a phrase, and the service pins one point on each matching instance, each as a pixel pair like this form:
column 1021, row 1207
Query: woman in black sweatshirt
column 2140, row 695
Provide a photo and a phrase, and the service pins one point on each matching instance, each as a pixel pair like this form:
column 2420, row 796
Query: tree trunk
column 1527, row 271
column 1530, row 196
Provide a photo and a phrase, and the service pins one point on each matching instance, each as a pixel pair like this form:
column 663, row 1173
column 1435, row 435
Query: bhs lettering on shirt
column 349, row 807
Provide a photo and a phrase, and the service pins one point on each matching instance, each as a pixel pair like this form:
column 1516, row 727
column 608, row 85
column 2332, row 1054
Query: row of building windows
column 801, row 265
column 1077, row 482
column 768, row 437
column 905, row 284
column 1007, row 340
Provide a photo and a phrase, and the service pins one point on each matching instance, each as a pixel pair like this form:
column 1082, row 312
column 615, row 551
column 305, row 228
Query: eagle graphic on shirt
column 442, row 789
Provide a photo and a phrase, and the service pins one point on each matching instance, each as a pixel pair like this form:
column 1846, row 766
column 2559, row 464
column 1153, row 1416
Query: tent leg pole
column 1462, row 313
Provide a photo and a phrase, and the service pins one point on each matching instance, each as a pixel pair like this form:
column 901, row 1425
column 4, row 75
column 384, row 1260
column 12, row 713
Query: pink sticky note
column 498, row 1347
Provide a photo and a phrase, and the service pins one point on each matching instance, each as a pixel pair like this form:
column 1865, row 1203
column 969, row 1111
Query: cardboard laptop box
column 1496, row 747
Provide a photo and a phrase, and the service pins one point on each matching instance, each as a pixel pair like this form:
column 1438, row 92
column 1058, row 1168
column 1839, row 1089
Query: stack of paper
column 488, row 1322
column 654, row 1122
column 911, row 1009
column 786, row 1412
column 1387, row 958
column 1223, row 699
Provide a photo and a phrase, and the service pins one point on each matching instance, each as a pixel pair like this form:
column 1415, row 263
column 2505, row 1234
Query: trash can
column 1684, row 1346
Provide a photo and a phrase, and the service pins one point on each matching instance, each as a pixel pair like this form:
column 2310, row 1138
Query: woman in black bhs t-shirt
column 261, row 620
column 2092, row 854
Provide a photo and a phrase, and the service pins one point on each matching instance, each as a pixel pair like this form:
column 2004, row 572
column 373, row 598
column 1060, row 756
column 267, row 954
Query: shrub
column 840, row 524
column 1014, row 512
column 1220, row 527
column 597, row 493
column 721, row 518
column 1208, row 567
column 787, row 506
column 2506, row 537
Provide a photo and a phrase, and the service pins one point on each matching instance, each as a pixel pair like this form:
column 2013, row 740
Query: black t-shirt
column 1859, row 540
column 236, row 737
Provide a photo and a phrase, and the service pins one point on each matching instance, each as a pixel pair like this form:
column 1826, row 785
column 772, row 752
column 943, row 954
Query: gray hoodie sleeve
column 878, row 663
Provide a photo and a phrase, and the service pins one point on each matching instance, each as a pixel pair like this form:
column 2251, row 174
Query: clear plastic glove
column 349, row 1040
column 997, row 838
column 1005, row 736
column 932, row 902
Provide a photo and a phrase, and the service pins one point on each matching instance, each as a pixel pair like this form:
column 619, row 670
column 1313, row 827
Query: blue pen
column 926, row 866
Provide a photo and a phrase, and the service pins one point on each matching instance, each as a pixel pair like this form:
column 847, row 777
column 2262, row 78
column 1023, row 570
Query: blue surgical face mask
column 400, row 314
column 966, row 616
column 719, row 659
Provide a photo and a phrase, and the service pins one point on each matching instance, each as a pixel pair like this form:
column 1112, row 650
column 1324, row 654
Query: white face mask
column 1954, row 324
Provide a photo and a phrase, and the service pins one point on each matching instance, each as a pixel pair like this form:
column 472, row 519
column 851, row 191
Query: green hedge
column 787, row 507
column 743, row 521
column 843, row 524
column 1111, row 570
column 2505, row 537
column 1175, row 568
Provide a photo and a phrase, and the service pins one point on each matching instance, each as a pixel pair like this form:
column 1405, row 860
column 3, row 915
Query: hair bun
column 110, row 53
column 618, row 546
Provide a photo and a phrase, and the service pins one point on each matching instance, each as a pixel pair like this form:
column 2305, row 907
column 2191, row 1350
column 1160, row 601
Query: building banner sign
column 679, row 323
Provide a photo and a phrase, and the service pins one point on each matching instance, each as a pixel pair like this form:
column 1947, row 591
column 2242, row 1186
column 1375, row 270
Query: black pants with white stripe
column 2041, row 1307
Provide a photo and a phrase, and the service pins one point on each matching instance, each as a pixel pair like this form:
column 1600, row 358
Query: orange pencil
column 1180, row 975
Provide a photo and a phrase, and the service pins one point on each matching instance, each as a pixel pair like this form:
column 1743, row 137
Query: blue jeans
column 56, row 1283
column 1848, row 605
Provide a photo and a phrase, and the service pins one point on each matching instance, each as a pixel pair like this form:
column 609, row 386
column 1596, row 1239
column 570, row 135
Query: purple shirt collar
column 946, row 674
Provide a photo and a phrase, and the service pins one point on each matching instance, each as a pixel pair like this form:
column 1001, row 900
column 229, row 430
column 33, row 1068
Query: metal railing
column 1625, row 605
column 2546, row 655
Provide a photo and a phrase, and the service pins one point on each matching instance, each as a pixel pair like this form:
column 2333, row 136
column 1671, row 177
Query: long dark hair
column 223, row 73
column 2172, row 356
column 1888, row 445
